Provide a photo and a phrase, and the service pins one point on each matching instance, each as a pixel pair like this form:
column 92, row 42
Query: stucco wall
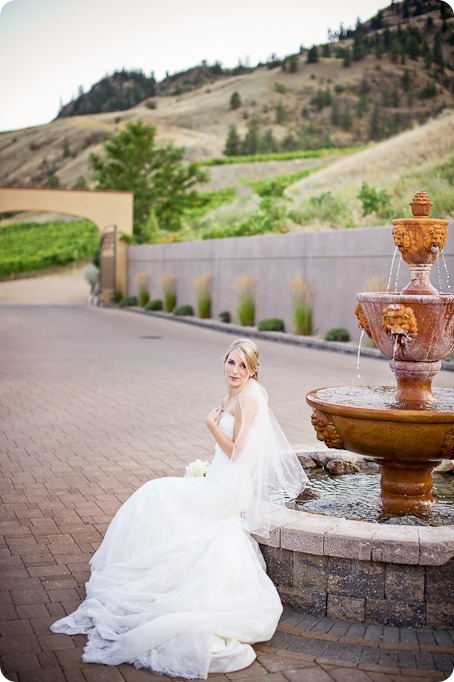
column 335, row 264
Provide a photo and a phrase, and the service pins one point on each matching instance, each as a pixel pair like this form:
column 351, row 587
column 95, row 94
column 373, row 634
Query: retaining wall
column 336, row 265
column 355, row 570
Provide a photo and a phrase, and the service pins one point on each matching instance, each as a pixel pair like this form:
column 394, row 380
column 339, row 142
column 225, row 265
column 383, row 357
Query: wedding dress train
column 178, row 584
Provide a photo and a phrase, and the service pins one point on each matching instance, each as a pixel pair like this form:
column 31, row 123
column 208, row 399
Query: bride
column 178, row 584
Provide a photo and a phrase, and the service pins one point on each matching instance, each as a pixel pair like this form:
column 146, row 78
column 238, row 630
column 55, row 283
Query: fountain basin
column 406, row 443
column 415, row 328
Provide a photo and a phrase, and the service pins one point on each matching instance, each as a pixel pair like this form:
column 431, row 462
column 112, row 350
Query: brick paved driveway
column 94, row 402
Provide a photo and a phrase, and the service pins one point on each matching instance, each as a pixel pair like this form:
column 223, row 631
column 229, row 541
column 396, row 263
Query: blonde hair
column 248, row 352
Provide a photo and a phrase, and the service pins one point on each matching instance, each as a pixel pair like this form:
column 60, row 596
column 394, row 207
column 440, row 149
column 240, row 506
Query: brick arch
column 101, row 207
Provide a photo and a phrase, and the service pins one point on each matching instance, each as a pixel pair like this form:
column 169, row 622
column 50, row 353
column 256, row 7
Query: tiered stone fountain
column 408, row 429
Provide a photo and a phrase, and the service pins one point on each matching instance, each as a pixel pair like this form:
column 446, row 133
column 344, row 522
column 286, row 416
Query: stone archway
column 102, row 207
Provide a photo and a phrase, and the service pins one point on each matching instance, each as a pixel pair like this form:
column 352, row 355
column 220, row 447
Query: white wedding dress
column 178, row 584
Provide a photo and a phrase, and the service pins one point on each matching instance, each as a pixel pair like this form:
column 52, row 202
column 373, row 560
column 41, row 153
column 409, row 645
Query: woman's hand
column 213, row 416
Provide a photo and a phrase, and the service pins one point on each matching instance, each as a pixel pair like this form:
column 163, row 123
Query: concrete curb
column 278, row 337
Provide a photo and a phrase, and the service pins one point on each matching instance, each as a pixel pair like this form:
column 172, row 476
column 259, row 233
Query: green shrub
column 322, row 208
column 271, row 324
column 128, row 301
column 170, row 301
column 374, row 201
column 302, row 319
column 302, row 307
column 203, row 289
column 204, row 305
column 225, row 316
column 143, row 297
column 155, row 304
column 116, row 297
column 184, row 309
column 337, row 334
column 245, row 288
column 170, row 296
column 246, row 312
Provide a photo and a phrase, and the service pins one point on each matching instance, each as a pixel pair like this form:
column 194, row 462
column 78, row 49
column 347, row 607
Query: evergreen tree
column 335, row 113
column 347, row 58
column 406, row 80
column 312, row 55
column 394, row 51
column 293, row 64
column 395, row 97
column 379, row 47
column 375, row 127
column 326, row 50
column 235, row 100
column 359, row 46
column 233, row 142
column 438, row 52
column 412, row 47
column 251, row 142
column 282, row 113
column 376, row 23
column 346, row 121
column 362, row 105
column 268, row 143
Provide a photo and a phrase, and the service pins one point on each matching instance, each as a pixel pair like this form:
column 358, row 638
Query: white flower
column 197, row 468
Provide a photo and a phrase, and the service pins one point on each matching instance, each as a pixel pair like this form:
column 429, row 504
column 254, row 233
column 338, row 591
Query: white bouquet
column 197, row 468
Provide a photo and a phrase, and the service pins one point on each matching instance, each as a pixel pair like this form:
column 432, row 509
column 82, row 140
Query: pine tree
column 359, row 46
column 293, row 64
column 375, row 127
column 312, row 55
column 335, row 113
column 235, row 100
column 233, row 142
column 346, row 121
column 251, row 142
column 347, row 58
column 438, row 52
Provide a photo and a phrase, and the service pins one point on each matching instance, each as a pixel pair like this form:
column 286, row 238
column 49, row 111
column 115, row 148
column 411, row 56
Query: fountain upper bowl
column 408, row 327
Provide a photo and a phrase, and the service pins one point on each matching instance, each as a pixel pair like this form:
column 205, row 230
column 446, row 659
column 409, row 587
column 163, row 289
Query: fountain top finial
column 421, row 205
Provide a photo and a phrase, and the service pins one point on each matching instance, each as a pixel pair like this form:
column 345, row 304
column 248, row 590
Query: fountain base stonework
column 364, row 572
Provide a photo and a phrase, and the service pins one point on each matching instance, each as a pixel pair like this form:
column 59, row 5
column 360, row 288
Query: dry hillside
column 381, row 164
column 408, row 91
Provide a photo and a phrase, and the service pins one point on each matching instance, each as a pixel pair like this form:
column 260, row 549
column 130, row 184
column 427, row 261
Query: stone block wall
column 335, row 264
column 363, row 591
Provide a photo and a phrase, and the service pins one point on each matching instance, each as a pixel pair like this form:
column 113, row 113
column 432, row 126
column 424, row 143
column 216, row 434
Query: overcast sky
column 48, row 48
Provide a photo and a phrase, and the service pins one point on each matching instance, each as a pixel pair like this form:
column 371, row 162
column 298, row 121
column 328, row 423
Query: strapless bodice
column 225, row 422
column 220, row 460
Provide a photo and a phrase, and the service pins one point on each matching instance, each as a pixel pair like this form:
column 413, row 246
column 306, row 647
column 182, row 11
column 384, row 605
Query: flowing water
column 357, row 497
column 382, row 398
column 391, row 269
column 448, row 283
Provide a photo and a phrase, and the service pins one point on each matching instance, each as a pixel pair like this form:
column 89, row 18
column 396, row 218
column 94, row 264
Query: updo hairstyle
column 248, row 352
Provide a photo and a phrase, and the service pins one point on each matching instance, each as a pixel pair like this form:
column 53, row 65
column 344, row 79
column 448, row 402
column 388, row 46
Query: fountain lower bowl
column 406, row 443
